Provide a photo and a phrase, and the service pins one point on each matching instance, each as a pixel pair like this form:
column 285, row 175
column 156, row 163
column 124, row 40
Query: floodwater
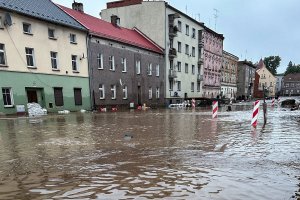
column 155, row 154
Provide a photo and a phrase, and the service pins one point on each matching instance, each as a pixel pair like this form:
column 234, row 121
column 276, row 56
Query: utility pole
column 264, row 107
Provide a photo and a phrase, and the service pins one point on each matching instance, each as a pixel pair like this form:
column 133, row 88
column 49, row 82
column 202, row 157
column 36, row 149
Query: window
column 186, row 69
column 101, row 91
column 2, row 54
column 193, row 33
column 199, row 68
column 58, row 97
column 149, row 69
column 179, row 85
column 54, row 63
column 111, row 61
column 51, row 33
column 179, row 26
column 150, row 92
column 113, row 91
column 187, row 29
column 179, row 66
column 193, row 69
column 125, row 92
column 157, row 93
column 138, row 66
column 74, row 63
column 124, row 64
column 27, row 28
column 192, row 86
column 77, row 96
column 179, row 47
column 170, row 85
column 157, row 70
column 187, row 49
column 100, row 61
column 193, row 51
column 7, row 97
column 73, row 38
column 29, row 56
column 198, row 86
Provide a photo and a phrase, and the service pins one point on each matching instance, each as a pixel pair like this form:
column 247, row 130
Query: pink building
column 212, row 44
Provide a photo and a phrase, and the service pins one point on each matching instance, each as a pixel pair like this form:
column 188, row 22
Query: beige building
column 266, row 79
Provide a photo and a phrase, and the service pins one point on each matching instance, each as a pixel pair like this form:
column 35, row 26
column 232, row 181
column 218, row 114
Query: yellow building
column 266, row 79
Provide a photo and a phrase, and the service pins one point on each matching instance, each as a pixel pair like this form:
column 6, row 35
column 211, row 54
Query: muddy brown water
column 157, row 154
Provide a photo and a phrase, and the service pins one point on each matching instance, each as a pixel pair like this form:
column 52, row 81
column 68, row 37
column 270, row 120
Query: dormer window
column 27, row 28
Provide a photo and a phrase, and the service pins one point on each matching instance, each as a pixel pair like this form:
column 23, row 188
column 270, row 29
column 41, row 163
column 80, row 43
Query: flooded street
column 156, row 154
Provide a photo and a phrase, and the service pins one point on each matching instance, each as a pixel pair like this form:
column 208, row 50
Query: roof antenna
column 216, row 17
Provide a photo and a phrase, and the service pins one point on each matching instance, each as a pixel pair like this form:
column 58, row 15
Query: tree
column 272, row 63
column 292, row 68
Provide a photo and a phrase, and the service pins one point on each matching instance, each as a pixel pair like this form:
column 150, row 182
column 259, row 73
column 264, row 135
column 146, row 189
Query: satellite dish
column 7, row 20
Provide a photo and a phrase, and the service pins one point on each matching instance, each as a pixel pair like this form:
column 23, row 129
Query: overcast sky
column 253, row 29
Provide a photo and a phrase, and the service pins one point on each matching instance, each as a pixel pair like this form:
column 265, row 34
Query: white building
column 173, row 30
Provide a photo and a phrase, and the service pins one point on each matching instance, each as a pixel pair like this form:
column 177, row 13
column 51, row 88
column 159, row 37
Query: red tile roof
column 260, row 64
column 105, row 29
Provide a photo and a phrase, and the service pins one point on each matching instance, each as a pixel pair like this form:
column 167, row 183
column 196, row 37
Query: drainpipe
column 90, row 71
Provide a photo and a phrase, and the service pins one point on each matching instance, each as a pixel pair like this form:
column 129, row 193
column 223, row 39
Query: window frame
column 27, row 30
column 56, row 100
column 193, row 51
column 157, row 93
column 192, row 87
column 124, row 65
column 101, row 91
column 178, row 66
column 125, row 92
column 179, row 25
column 138, row 67
column 2, row 51
column 187, row 29
column 179, row 47
column 54, row 59
column 50, row 36
column 74, row 63
column 111, row 63
column 100, row 60
column 73, row 38
column 150, row 93
column 149, row 71
column 157, row 68
column 193, row 33
column 186, row 68
column 113, row 89
column 187, row 49
column 178, row 85
column 78, row 102
column 10, row 95
column 30, row 55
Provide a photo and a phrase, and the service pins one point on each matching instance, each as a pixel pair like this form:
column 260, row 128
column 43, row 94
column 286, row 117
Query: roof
column 42, row 9
column 292, row 77
column 260, row 64
column 107, row 30
column 230, row 55
column 245, row 62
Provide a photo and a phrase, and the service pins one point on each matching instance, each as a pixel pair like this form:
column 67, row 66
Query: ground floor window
column 113, row 92
column 157, row 93
column 124, row 92
column 7, row 97
column 150, row 92
column 58, row 96
column 102, row 91
column 77, row 96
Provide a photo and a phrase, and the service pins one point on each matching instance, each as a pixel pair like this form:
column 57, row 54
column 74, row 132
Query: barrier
column 215, row 109
column 255, row 113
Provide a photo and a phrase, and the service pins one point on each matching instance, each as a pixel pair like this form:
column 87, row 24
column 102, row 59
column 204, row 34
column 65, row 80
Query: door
column 139, row 96
column 32, row 96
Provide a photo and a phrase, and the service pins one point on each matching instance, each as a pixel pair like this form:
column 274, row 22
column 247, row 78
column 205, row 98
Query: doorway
column 32, row 96
column 139, row 95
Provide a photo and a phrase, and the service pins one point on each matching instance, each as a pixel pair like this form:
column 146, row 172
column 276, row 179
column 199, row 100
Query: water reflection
column 171, row 154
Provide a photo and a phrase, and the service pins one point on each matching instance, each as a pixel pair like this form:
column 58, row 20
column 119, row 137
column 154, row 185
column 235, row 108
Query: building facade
column 125, row 66
column 182, row 38
column 212, row 54
column 229, row 75
column 279, row 83
column 291, row 85
column 35, row 66
column 245, row 80
column 266, row 79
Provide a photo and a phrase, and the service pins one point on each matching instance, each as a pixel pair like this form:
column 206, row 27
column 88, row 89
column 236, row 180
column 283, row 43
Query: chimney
column 115, row 20
column 77, row 6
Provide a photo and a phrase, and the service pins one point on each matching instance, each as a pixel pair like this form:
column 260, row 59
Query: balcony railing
column 172, row 74
column 199, row 77
column 200, row 61
column 172, row 53
column 173, row 31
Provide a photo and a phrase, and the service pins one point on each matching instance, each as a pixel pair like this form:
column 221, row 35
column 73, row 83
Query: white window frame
column 157, row 93
column 2, row 51
column 138, row 66
column 100, row 60
column 157, row 70
column 111, row 63
column 73, row 38
column 150, row 93
column 74, row 63
column 124, row 64
column 192, row 86
column 125, row 92
column 101, row 91
column 179, row 24
column 10, row 96
column 54, row 59
column 31, row 54
column 113, row 89
column 29, row 30
column 150, row 69
column 187, row 29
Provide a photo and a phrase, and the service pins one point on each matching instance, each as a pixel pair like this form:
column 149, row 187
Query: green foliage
column 292, row 68
column 272, row 63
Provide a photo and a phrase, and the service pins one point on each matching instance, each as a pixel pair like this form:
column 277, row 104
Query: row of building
column 138, row 52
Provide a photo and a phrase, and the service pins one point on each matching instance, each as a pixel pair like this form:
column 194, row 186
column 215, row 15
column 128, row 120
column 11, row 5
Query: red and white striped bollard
column 273, row 102
column 193, row 103
column 215, row 109
column 255, row 114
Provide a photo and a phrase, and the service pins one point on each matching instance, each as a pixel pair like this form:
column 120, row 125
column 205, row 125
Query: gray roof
column 42, row 9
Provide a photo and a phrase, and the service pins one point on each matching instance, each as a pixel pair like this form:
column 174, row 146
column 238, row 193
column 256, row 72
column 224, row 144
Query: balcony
column 172, row 53
column 201, row 44
column 172, row 18
column 199, row 77
column 173, row 31
column 200, row 61
column 172, row 74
